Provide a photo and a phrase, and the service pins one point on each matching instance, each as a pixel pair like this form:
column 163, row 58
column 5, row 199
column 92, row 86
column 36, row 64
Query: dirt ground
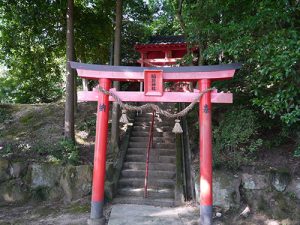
column 77, row 213
column 48, row 213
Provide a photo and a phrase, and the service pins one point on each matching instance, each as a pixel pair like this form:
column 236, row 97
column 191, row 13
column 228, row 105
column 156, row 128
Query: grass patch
column 76, row 208
column 5, row 113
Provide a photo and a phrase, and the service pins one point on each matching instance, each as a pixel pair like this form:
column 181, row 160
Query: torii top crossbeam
column 130, row 73
column 126, row 73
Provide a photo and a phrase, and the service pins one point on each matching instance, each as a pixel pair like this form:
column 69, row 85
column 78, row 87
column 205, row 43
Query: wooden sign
column 153, row 80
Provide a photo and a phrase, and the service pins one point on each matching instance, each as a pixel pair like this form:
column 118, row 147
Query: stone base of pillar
column 100, row 221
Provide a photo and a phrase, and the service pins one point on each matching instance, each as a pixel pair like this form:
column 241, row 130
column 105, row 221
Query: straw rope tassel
column 177, row 128
column 123, row 118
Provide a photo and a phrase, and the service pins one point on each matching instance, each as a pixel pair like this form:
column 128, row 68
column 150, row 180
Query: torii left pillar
column 97, row 203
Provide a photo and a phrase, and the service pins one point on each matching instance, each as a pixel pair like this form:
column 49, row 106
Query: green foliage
column 164, row 17
column 6, row 151
column 93, row 30
column 88, row 125
column 297, row 149
column 135, row 29
column 235, row 139
column 32, row 43
column 70, row 152
column 31, row 48
column 297, row 152
column 65, row 152
column 4, row 114
column 264, row 36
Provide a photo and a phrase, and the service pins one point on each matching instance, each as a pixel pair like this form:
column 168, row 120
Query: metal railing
column 150, row 142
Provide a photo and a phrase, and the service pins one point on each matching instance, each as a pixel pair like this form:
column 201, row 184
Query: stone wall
column 275, row 192
column 22, row 181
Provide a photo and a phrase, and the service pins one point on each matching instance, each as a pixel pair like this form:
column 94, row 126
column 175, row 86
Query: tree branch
column 179, row 16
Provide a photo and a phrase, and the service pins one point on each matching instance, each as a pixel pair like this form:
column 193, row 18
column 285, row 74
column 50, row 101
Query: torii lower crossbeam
column 133, row 96
column 204, row 75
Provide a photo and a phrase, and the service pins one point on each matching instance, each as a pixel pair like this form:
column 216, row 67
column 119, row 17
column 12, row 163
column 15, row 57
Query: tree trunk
column 116, row 84
column 179, row 16
column 85, row 84
column 74, row 76
column 69, row 105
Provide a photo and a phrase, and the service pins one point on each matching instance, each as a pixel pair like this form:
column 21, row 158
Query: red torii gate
column 204, row 75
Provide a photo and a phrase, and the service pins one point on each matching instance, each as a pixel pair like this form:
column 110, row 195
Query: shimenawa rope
column 177, row 128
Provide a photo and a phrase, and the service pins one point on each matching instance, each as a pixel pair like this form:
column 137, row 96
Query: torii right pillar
column 205, row 131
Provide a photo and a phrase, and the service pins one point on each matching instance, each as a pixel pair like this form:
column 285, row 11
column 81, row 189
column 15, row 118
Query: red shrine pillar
column 205, row 126
column 97, row 203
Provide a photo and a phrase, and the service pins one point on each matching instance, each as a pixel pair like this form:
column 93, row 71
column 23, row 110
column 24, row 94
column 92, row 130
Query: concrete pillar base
column 100, row 221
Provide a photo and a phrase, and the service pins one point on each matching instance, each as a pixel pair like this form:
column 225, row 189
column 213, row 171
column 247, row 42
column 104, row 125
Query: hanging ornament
column 177, row 128
column 123, row 118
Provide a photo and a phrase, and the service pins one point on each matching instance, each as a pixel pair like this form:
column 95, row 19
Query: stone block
column 3, row 170
column 255, row 181
column 17, row 169
column 225, row 188
column 76, row 182
column 110, row 171
column 13, row 191
column 45, row 175
column 294, row 187
column 279, row 181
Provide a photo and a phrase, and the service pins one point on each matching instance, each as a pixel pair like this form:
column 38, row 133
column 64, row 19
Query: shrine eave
column 131, row 73
column 147, row 47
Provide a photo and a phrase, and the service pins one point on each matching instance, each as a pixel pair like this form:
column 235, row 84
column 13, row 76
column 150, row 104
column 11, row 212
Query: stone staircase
column 162, row 165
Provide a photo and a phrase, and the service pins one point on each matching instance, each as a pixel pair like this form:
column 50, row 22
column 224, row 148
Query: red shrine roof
column 162, row 42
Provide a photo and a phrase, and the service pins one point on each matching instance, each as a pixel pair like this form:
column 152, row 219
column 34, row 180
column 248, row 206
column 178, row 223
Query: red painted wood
column 100, row 143
column 151, row 47
column 155, row 55
column 178, row 53
column 205, row 127
column 167, row 76
column 160, row 60
column 153, row 86
column 129, row 96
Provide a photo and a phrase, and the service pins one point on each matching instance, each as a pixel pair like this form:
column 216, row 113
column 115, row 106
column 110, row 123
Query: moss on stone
column 79, row 208
column 40, row 193
column 262, row 205
column 27, row 118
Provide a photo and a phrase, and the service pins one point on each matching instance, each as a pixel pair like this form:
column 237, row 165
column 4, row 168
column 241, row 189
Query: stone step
column 155, row 139
column 152, row 166
column 157, row 129
column 152, row 183
column 144, row 201
column 155, row 134
column 148, row 118
column 152, row 193
column 146, row 134
column 154, row 157
column 155, row 145
column 148, row 123
column 142, row 151
column 157, row 174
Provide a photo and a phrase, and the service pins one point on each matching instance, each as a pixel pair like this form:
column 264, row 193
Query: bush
column 235, row 141
column 70, row 152
column 65, row 152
